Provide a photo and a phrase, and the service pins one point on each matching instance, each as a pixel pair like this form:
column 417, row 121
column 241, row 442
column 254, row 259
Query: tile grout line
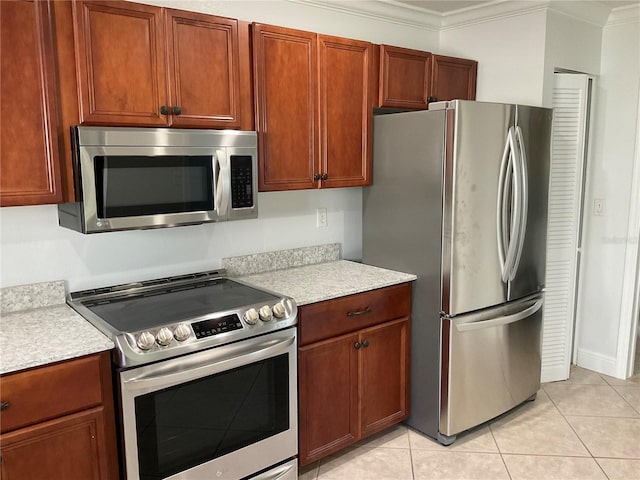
column 572, row 429
column 624, row 399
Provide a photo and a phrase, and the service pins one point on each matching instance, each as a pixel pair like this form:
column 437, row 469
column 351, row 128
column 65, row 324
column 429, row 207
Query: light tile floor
column 587, row 427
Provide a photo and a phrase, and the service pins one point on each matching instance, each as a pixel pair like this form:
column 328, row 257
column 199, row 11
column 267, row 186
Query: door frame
column 630, row 301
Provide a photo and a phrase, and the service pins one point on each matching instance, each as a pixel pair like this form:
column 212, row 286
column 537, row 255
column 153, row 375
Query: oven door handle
column 208, row 362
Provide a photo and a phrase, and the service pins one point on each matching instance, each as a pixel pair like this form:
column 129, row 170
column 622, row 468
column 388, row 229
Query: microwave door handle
column 217, row 188
column 223, row 184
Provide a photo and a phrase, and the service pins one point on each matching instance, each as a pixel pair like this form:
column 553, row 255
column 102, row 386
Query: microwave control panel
column 241, row 181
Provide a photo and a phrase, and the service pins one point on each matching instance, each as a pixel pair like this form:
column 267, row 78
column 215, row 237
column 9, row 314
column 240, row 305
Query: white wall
column 35, row 249
column 570, row 44
column 510, row 54
column 606, row 237
column 315, row 19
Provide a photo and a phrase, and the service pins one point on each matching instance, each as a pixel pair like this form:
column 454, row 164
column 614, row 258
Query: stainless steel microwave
column 140, row 178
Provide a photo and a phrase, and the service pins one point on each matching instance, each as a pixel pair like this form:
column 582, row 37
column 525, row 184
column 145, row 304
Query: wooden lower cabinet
column 352, row 385
column 383, row 375
column 65, row 448
column 58, row 422
column 328, row 387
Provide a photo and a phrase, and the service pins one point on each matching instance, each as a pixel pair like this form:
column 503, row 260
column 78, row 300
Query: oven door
column 223, row 413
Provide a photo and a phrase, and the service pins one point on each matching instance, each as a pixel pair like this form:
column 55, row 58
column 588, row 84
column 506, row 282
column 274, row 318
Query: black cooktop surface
column 131, row 313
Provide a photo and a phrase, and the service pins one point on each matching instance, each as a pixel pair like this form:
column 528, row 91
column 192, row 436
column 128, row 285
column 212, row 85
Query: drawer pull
column 357, row 346
column 359, row 312
column 4, row 405
column 365, row 344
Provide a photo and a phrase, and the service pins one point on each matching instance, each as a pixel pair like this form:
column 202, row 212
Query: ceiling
column 444, row 7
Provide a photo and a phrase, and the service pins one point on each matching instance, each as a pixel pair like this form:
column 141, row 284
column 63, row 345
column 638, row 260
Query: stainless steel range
column 207, row 376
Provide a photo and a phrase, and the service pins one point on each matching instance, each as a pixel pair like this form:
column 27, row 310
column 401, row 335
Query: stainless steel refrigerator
column 459, row 198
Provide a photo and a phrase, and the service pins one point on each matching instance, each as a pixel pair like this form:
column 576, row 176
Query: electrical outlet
column 598, row 206
column 321, row 217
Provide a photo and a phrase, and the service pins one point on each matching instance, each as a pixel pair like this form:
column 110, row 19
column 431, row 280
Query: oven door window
column 191, row 423
column 132, row 185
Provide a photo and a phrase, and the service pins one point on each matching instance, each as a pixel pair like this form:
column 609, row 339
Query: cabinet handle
column 4, row 405
column 164, row 110
column 357, row 346
column 316, row 177
column 365, row 344
column 325, row 176
column 359, row 312
column 176, row 110
column 432, row 99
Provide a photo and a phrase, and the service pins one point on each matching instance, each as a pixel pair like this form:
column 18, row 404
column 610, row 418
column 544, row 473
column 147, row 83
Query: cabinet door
column 404, row 78
column 66, row 448
column 328, row 397
column 384, row 375
column 453, row 78
column 120, row 63
column 203, row 63
column 346, row 103
column 30, row 167
column 285, row 73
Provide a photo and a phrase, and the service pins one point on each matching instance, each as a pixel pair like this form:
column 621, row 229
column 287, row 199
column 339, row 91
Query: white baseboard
column 597, row 362
column 554, row 373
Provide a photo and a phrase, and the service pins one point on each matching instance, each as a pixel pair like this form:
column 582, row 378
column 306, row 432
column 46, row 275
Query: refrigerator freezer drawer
column 490, row 363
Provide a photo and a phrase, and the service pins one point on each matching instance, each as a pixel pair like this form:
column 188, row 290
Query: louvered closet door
column 570, row 104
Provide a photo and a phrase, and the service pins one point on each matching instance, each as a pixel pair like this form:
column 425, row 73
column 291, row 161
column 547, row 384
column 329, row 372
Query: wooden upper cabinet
column 313, row 101
column 121, row 63
column 29, row 149
column 145, row 65
column 285, row 73
column 203, row 69
column 453, row 78
column 405, row 77
column 346, row 103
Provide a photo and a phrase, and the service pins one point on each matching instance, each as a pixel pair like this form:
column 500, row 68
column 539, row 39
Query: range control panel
column 241, row 181
column 207, row 328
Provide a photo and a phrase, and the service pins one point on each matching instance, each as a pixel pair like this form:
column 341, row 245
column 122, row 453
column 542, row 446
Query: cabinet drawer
column 47, row 392
column 347, row 314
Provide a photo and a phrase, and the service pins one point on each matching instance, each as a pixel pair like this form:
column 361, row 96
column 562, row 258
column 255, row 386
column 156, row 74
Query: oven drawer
column 43, row 393
column 327, row 319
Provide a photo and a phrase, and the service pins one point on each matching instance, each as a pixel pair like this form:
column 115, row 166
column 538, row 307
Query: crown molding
column 392, row 11
column 595, row 13
column 496, row 10
column 622, row 15
column 387, row 11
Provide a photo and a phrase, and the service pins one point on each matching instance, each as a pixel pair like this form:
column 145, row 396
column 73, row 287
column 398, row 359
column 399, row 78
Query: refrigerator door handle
column 524, row 205
column 502, row 208
column 505, row 185
column 496, row 322
column 516, row 207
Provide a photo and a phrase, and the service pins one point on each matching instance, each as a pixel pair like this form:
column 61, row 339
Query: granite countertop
column 324, row 281
column 38, row 328
column 52, row 332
